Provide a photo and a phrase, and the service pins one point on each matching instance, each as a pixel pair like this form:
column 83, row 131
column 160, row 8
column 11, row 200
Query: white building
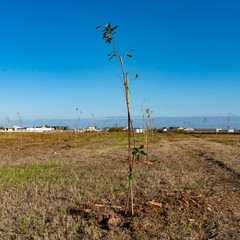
column 218, row 130
column 188, row 129
column 14, row 128
column 138, row 130
column 92, row 129
column 39, row 129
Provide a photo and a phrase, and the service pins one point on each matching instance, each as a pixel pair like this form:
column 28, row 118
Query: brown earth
column 73, row 186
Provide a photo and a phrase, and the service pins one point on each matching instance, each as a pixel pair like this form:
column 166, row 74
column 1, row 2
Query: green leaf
column 107, row 26
column 135, row 151
column 105, row 35
column 143, row 153
column 98, row 27
column 112, row 29
column 111, row 57
column 109, row 40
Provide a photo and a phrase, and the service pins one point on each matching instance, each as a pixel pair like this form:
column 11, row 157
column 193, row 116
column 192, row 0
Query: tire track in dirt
column 219, row 163
column 203, row 163
column 218, row 160
column 205, row 169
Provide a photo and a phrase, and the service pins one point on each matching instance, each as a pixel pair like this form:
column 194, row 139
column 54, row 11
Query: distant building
column 39, row 129
column 218, row 130
column 61, row 128
column 14, row 128
column 175, row 128
column 164, row 129
column 91, row 129
column 80, row 130
column 188, row 129
column 106, row 129
column 138, row 130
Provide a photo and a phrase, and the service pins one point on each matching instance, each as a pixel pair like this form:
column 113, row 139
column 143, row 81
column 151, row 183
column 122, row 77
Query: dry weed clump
column 188, row 189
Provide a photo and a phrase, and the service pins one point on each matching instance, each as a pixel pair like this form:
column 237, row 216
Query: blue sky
column 53, row 60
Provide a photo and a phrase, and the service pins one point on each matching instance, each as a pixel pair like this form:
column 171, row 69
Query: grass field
column 68, row 186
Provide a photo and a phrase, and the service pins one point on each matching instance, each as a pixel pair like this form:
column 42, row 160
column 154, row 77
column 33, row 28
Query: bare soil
column 73, row 186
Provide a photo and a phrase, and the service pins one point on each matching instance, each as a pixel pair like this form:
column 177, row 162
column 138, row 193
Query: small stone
column 114, row 221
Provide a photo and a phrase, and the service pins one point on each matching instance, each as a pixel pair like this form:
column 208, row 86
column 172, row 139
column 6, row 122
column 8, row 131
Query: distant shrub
column 116, row 129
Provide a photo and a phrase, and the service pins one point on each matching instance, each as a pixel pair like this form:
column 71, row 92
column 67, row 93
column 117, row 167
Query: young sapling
column 133, row 152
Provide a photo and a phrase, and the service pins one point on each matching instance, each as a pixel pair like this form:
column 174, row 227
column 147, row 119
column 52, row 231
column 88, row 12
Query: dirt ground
column 74, row 186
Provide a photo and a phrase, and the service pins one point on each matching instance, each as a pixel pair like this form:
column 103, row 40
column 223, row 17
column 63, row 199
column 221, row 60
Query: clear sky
column 53, row 60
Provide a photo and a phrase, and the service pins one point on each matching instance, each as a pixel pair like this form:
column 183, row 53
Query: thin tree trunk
column 130, row 157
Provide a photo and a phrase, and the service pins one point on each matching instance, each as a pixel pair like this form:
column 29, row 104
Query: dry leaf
column 153, row 203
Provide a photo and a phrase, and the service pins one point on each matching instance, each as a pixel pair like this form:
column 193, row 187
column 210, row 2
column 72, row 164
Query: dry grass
column 50, row 189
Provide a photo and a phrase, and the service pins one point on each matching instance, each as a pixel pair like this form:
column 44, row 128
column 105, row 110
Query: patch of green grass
column 16, row 175
column 227, row 142
column 24, row 222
